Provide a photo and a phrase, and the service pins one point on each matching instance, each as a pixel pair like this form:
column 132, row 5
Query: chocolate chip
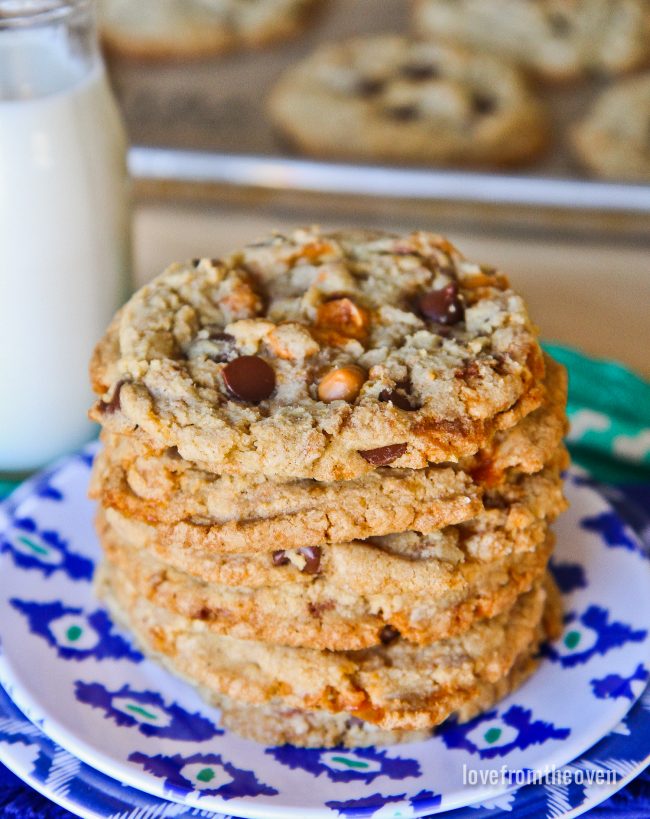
column 502, row 364
column 469, row 370
column 112, row 406
column 483, row 103
column 312, row 556
column 249, row 378
column 222, row 347
column 402, row 113
column 208, row 614
column 443, row 306
column 370, row 87
column 214, row 334
column 317, row 609
column 388, row 635
column 419, row 71
column 196, row 262
column 173, row 453
column 204, row 613
column 560, row 25
column 383, row 455
column 398, row 399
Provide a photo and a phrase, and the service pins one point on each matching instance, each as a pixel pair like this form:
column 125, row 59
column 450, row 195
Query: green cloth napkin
column 609, row 409
column 6, row 487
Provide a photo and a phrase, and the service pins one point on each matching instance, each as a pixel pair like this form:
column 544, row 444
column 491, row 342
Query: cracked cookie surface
column 321, row 356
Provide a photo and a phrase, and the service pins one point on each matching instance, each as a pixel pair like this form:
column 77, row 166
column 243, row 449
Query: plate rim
column 498, row 813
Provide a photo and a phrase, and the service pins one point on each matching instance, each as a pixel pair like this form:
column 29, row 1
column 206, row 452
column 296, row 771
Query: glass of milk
column 64, row 224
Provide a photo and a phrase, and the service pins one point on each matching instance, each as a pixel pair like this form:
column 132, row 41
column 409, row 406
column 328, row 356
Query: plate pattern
column 123, row 715
column 624, row 752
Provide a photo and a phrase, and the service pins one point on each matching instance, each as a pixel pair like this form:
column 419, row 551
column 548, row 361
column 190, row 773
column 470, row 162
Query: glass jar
column 64, row 224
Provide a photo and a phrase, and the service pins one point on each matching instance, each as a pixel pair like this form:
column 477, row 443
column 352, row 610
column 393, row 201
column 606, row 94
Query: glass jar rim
column 23, row 13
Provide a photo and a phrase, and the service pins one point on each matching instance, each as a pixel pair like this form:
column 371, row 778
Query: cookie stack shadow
column 336, row 612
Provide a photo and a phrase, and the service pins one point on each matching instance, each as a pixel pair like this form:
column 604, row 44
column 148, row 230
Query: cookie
column 179, row 29
column 322, row 356
column 613, row 141
column 559, row 41
column 246, row 513
column 191, row 547
column 361, row 595
column 235, row 513
column 395, row 99
column 397, row 687
column 275, row 725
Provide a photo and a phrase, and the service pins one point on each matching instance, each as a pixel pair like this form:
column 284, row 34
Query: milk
column 64, row 241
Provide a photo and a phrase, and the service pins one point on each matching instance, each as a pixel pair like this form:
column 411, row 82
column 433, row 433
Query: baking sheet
column 211, row 113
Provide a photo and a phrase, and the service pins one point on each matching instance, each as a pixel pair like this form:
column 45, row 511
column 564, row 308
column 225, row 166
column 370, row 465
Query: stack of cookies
column 330, row 464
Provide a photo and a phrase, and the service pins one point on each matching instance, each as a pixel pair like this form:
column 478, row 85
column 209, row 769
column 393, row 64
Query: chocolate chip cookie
column 395, row 99
column 234, row 513
column 560, row 40
column 613, row 141
column 348, row 596
column 179, row 29
column 322, row 356
column 395, row 687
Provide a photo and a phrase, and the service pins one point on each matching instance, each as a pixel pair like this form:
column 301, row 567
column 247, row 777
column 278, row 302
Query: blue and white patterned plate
column 622, row 754
column 75, row 674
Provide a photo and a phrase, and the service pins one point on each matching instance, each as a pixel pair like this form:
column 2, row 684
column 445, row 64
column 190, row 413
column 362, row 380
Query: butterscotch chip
column 342, row 316
column 342, row 384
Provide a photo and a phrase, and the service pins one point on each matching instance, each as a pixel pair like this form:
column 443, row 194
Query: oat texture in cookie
column 322, row 356
column 560, row 41
column 405, row 100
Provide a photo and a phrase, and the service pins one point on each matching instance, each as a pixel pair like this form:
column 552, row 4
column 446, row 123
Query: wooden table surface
column 591, row 291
